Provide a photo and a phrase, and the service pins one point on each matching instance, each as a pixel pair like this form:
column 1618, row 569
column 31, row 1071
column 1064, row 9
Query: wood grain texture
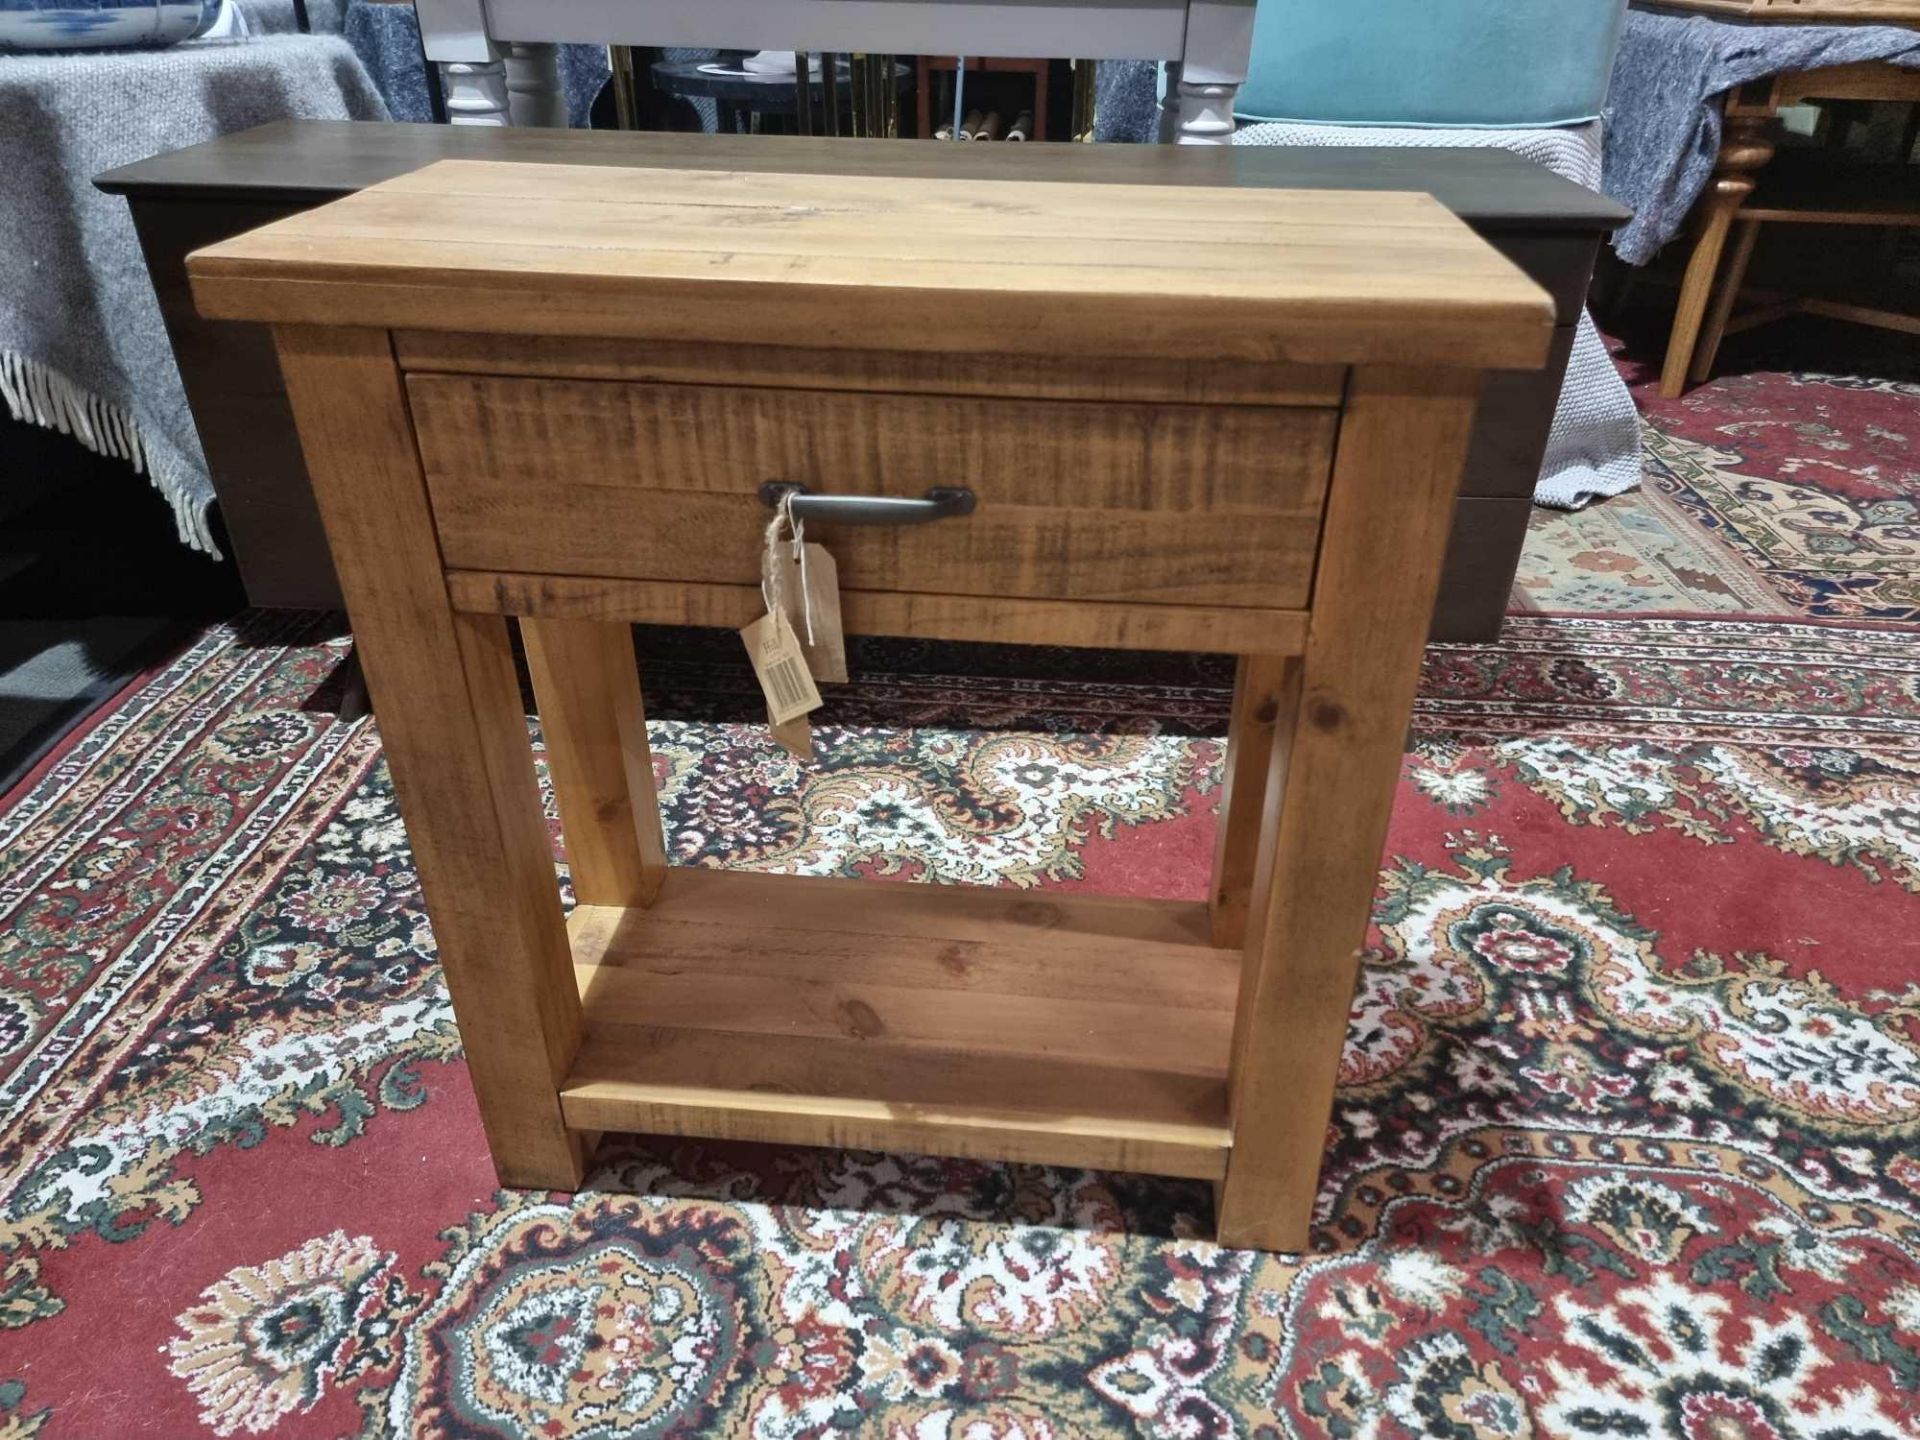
column 1172, row 504
column 1308, row 276
column 1108, row 625
column 1026, row 377
column 1388, row 516
column 595, row 728
column 726, row 439
column 456, row 739
column 1809, row 12
column 944, row 1018
column 1266, row 693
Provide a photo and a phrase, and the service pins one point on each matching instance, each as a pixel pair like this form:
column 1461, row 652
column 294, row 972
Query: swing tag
column 780, row 667
column 779, row 662
column 811, row 598
column 795, row 737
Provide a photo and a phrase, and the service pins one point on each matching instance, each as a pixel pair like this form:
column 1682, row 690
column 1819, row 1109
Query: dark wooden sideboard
column 190, row 198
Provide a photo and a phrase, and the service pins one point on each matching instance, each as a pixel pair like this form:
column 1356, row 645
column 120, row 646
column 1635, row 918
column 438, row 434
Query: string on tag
column 773, row 580
column 773, row 574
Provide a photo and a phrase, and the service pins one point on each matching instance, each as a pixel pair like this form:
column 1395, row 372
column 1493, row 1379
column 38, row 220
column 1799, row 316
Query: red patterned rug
column 1810, row 478
column 1626, row 1145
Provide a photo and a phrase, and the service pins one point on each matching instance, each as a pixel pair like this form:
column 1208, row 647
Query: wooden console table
column 1237, row 421
column 496, row 56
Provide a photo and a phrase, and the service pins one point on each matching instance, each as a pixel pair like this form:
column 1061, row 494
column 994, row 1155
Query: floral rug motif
column 1627, row 1145
column 1636, row 553
column 1813, row 480
column 1775, row 490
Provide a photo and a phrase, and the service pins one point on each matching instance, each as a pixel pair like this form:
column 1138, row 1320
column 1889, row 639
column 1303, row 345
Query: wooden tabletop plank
column 904, row 263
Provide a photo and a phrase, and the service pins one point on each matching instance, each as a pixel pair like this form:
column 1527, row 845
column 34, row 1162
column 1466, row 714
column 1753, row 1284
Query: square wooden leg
column 1402, row 445
column 456, row 741
column 595, row 725
column 1265, row 690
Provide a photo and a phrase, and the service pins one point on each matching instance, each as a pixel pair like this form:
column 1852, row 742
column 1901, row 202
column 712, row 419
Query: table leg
column 457, row 745
column 625, row 104
column 1744, row 149
column 1708, row 350
column 534, row 94
column 595, row 727
column 1086, row 74
column 473, row 77
column 1403, row 442
column 803, row 95
column 1219, row 43
column 1265, row 687
column 476, row 92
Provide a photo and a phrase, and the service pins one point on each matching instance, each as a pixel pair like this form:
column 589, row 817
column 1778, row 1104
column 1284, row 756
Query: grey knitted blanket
column 1663, row 131
column 82, row 347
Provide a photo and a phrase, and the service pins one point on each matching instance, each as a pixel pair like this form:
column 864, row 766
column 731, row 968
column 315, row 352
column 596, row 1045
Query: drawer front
column 1167, row 503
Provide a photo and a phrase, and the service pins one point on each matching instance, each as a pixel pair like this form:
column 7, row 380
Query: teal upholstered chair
column 1528, row 76
column 1500, row 63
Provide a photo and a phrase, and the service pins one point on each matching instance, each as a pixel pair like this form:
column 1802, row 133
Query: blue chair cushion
column 1503, row 63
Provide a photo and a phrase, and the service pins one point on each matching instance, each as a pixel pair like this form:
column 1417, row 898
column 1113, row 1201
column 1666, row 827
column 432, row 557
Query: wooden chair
column 1746, row 149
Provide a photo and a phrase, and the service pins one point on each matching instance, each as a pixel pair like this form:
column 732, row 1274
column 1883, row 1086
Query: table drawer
column 1167, row 503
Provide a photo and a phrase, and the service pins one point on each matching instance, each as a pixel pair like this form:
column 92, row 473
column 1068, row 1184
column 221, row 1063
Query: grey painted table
column 496, row 56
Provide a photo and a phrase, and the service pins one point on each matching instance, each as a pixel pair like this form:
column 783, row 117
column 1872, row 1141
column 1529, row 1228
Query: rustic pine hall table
column 1234, row 421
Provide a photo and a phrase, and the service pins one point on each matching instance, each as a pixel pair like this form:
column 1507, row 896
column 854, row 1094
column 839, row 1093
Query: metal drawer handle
column 939, row 503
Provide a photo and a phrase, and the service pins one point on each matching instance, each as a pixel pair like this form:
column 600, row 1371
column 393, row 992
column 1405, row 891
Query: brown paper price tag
column 780, row 667
column 802, row 589
column 811, row 599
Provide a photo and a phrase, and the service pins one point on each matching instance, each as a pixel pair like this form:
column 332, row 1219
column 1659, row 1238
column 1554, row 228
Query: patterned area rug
column 1812, row 480
column 1767, row 492
column 1625, row 1149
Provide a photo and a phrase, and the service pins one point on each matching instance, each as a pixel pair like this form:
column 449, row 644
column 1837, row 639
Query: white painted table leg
column 453, row 34
column 1202, row 112
column 534, row 96
column 1198, row 109
column 476, row 92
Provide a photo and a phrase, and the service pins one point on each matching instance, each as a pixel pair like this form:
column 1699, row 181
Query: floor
column 1625, row 1138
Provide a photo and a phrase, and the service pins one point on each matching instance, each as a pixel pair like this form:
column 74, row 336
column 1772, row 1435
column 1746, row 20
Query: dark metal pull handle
column 939, row 503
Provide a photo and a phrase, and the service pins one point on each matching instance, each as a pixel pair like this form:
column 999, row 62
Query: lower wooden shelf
column 873, row 1015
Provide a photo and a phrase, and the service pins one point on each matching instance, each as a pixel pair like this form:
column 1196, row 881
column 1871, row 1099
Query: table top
column 1039, row 267
column 304, row 161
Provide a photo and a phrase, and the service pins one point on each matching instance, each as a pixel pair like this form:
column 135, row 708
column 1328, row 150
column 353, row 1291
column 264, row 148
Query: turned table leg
column 1198, row 109
column 535, row 96
column 476, row 92
column 1744, row 149
column 456, row 740
column 595, row 727
column 473, row 75
column 1402, row 444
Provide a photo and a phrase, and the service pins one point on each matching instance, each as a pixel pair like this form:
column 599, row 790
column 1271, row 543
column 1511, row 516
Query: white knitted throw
column 82, row 346
column 1594, row 449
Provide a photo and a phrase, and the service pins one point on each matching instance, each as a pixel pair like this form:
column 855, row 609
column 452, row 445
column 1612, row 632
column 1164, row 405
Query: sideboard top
column 1009, row 267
